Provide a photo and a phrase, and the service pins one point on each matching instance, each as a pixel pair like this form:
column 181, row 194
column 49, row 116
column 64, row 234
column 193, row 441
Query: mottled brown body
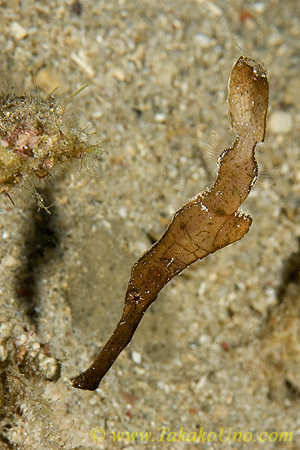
column 209, row 222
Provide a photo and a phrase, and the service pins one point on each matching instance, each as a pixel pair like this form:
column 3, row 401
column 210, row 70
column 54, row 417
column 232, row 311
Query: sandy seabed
column 219, row 351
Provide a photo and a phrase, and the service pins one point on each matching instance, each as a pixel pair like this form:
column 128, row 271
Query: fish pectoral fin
column 233, row 229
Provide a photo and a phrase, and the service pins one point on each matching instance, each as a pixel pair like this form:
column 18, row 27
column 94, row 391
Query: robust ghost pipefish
column 207, row 223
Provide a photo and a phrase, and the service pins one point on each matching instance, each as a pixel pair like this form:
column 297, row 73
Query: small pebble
column 18, row 31
column 3, row 353
column 49, row 367
column 176, row 24
column 119, row 75
column 8, row 261
column 160, row 117
column 35, row 348
column 123, row 212
column 259, row 7
column 5, row 329
column 203, row 40
column 136, row 357
column 280, row 122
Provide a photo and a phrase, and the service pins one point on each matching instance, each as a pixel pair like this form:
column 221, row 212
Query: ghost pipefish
column 209, row 222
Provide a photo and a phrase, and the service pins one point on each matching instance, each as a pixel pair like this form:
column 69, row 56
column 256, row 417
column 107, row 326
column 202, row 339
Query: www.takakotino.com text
column 165, row 434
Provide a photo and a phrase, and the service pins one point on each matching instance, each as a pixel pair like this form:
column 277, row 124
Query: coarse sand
column 219, row 352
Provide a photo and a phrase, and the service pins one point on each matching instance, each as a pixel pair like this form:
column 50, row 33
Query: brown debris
column 211, row 221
